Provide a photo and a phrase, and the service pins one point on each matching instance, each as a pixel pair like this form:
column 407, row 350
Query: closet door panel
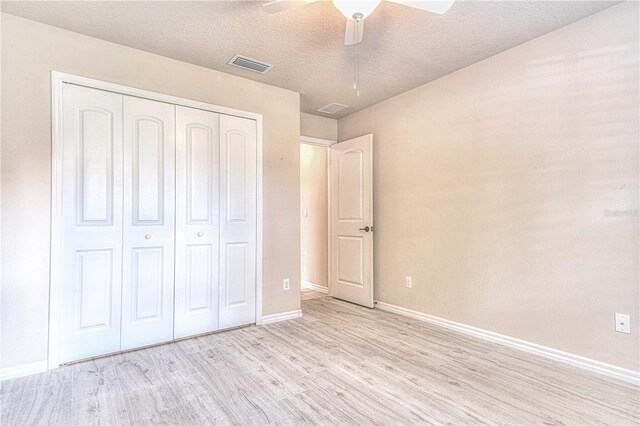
column 91, row 244
column 238, row 211
column 149, row 191
column 197, row 221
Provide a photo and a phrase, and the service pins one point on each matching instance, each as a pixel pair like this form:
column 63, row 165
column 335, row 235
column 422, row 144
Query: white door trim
column 308, row 140
column 329, row 220
column 58, row 79
column 316, row 141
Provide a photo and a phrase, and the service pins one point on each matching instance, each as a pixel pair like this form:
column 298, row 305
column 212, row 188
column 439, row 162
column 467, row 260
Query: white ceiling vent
column 332, row 108
column 249, row 64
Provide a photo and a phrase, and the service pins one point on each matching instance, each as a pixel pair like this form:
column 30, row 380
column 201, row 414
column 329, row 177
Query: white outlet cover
column 623, row 323
column 285, row 284
column 407, row 282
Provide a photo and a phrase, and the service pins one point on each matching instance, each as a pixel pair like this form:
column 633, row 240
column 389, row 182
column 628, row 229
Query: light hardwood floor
column 309, row 294
column 339, row 364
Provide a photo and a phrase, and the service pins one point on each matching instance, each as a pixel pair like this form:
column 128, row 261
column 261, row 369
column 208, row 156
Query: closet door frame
column 58, row 79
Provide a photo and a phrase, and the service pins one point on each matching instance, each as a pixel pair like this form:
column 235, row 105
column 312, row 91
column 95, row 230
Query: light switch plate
column 623, row 323
column 407, row 282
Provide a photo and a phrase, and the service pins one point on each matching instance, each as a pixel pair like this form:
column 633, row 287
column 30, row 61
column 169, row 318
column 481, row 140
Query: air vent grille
column 249, row 64
column 332, row 108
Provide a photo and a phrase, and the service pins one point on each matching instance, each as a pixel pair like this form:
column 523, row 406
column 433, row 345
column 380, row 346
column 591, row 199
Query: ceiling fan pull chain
column 357, row 70
column 356, row 82
column 355, row 56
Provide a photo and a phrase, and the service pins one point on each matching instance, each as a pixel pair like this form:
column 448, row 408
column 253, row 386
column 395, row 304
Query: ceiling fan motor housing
column 356, row 9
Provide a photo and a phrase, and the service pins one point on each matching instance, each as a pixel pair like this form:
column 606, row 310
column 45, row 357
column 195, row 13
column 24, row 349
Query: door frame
column 310, row 140
column 58, row 79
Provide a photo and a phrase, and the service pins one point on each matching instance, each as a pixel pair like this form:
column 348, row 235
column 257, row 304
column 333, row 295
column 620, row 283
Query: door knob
column 147, row 237
column 200, row 234
column 365, row 229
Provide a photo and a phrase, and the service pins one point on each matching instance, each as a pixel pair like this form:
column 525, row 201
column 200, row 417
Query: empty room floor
column 339, row 364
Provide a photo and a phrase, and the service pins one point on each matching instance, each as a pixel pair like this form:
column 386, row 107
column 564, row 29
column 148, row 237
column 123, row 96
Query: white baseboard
column 269, row 319
column 312, row 286
column 554, row 354
column 22, row 370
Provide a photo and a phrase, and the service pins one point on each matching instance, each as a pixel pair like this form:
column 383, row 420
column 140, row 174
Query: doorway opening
column 336, row 219
column 314, row 219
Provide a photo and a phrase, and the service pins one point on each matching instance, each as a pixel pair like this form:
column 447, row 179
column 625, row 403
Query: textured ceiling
column 402, row 47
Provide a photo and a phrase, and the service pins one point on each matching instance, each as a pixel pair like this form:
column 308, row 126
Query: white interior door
column 238, row 221
column 197, row 221
column 91, row 245
column 352, row 221
column 148, row 243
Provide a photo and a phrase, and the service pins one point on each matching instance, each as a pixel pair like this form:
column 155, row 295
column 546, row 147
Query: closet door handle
column 147, row 237
column 200, row 234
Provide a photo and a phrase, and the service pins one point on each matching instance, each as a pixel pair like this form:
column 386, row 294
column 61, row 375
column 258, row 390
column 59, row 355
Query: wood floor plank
column 93, row 373
column 49, row 405
column 168, row 358
column 233, row 387
column 152, row 405
column 137, row 371
column 204, row 409
column 101, row 405
column 311, row 407
column 308, row 294
column 11, row 392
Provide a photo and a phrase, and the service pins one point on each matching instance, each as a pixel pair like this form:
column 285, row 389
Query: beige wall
column 318, row 127
column 314, row 228
column 29, row 51
column 495, row 187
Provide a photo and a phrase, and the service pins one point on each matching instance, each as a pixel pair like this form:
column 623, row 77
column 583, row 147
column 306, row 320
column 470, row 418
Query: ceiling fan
column 357, row 10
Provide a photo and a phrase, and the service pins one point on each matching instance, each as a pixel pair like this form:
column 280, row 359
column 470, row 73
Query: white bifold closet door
column 91, row 201
column 215, row 221
column 237, row 221
column 159, row 221
column 148, row 225
column 197, row 221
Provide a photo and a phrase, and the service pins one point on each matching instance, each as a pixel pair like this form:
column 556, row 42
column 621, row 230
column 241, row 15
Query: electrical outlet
column 407, row 282
column 285, row 284
column 623, row 323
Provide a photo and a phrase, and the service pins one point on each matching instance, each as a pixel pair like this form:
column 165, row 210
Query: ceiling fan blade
column 280, row 5
column 434, row 6
column 353, row 32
